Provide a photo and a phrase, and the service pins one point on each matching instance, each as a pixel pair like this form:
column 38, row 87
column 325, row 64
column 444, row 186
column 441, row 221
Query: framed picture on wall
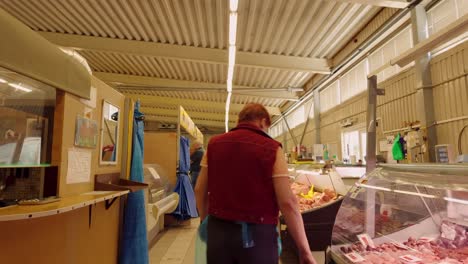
column 86, row 132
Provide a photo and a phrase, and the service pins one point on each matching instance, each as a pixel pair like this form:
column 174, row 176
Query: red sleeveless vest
column 240, row 169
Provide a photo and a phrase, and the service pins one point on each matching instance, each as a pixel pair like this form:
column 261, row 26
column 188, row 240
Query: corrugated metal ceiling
column 299, row 28
column 187, row 22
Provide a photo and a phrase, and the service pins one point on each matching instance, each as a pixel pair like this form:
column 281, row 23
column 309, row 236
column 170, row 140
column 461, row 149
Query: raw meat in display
column 351, row 222
column 450, row 248
column 318, row 198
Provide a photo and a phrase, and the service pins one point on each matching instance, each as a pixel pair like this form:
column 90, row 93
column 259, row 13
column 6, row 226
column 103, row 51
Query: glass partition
column 26, row 120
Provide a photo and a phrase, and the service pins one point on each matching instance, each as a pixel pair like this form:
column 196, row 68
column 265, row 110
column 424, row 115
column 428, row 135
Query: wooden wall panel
column 68, row 108
column 63, row 238
column 161, row 148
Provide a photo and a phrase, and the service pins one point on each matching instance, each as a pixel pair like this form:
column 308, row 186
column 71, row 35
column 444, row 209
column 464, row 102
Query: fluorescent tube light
column 229, row 87
column 375, row 187
column 233, row 4
column 228, row 103
column 232, row 28
column 455, row 200
column 230, row 75
column 416, row 194
column 3, row 81
column 232, row 56
column 19, row 87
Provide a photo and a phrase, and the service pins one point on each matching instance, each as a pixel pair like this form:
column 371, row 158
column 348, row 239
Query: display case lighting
column 20, row 87
column 455, row 200
column 416, row 194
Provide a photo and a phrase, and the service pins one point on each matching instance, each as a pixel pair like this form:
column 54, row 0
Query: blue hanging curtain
column 134, row 243
column 187, row 207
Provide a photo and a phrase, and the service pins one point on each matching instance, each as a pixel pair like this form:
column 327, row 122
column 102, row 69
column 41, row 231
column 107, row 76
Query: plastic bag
column 397, row 149
column 200, row 243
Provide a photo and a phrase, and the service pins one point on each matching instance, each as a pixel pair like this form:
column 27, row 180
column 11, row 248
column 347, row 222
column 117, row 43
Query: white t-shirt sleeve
column 280, row 168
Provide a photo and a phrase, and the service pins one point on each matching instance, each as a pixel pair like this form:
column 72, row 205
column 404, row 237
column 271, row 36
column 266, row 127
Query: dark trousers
column 225, row 243
column 194, row 177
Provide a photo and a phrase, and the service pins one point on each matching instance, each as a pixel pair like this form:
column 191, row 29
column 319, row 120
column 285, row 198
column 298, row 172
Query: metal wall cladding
column 398, row 105
column 290, row 27
column 449, row 75
column 383, row 15
column 187, row 22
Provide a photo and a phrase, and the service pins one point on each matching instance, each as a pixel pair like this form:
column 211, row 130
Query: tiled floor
column 176, row 245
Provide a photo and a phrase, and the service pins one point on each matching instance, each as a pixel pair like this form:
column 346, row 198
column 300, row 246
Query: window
column 276, row 130
column 393, row 48
column 442, row 14
column 309, row 108
column 297, row 117
column 354, row 81
column 330, row 97
column 354, row 143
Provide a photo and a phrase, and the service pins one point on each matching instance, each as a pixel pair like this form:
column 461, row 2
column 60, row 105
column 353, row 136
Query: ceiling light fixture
column 20, row 87
column 233, row 4
column 3, row 81
column 228, row 101
column 232, row 28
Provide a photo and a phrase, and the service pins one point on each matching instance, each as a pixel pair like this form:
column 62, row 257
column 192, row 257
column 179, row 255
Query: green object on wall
column 397, row 149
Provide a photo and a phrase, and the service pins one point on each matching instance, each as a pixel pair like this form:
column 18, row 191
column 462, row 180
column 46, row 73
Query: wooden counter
column 66, row 204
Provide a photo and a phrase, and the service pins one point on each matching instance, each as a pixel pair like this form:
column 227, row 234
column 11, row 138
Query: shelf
column 113, row 182
column 25, row 165
column 66, row 204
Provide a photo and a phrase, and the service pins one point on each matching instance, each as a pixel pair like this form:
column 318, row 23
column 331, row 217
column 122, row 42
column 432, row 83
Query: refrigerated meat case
column 161, row 199
column 404, row 214
column 318, row 220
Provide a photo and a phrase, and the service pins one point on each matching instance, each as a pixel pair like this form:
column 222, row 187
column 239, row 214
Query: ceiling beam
column 126, row 79
column 382, row 3
column 142, row 82
column 193, row 114
column 206, row 55
column 186, row 103
column 198, row 123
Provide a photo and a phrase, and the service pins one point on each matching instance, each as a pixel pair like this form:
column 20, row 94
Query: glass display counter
column 319, row 194
column 161, row 198
column 405, row 214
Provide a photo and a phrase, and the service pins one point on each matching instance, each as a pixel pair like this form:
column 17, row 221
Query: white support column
column 371, row 159
column 317, row 116
column 423, row 81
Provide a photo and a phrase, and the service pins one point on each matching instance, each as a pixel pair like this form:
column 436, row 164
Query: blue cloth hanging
column 134, row 243
column 187, row 207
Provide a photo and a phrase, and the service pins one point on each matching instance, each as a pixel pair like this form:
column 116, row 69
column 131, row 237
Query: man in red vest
column 242, row 186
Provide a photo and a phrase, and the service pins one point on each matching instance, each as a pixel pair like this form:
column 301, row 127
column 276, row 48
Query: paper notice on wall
column 79, row 166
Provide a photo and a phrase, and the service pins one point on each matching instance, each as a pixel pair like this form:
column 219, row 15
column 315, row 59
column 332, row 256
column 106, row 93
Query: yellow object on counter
column 310, row 194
